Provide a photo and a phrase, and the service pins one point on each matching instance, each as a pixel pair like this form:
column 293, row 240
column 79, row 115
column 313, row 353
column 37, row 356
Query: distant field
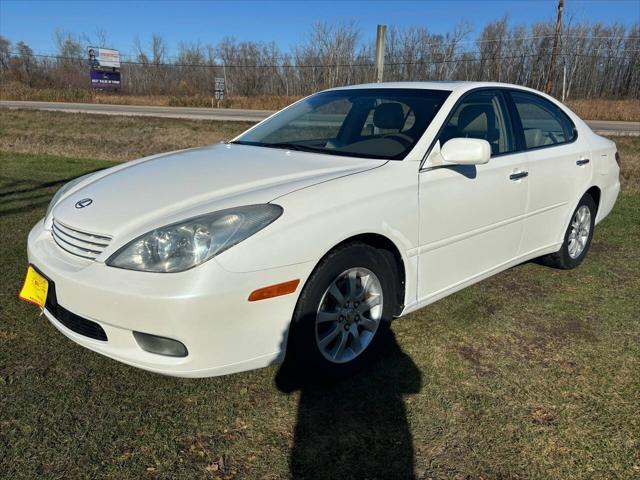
column 106, row 137
column 532, row 374
column 15, row 91
column 588, row 109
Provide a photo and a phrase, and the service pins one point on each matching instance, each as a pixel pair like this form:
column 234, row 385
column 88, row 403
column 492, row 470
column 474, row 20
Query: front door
column 471, row 217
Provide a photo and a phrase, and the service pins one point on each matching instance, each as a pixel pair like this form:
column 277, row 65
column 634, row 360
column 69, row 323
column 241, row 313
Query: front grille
column 70, row 320
column 79, row 243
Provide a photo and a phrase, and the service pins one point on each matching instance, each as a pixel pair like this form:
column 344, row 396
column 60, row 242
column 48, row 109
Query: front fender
column 381, row 201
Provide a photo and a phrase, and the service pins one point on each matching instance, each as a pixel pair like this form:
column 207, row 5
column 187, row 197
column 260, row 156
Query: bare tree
column 601, row 60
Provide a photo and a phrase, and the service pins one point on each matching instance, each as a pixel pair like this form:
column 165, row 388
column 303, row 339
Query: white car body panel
column 451, row 227
column 164, row 189
column 479, row 214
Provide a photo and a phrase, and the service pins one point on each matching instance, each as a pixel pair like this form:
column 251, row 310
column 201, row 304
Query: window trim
column 520, row 128
column 500, row 91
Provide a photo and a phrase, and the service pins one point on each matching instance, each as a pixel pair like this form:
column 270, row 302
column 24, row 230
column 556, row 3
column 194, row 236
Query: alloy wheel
column 580, row 229
column 349, row 315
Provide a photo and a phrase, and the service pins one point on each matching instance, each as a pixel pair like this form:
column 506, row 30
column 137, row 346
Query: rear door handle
column 518, row 175
column 582, row 161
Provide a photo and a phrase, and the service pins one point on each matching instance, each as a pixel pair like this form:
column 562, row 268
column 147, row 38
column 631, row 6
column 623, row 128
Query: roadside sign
column 218, row 91
column 105, row 80
column 103, row 58
column 104, row 65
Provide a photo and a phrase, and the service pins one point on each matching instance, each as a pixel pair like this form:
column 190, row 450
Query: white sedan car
column 308, row 233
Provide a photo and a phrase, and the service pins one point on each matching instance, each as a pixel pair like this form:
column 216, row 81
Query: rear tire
column 344, row 312
column 577, row 237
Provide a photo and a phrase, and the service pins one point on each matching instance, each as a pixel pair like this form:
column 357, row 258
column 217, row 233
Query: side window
column 543, row 123
column 481, row 115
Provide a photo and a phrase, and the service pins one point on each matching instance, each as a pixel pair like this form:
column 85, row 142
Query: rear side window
column 544, row 124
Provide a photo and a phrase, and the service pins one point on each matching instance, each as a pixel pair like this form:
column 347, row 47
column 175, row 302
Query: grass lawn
column 533, row 373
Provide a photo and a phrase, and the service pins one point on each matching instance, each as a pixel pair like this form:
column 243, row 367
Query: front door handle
column 518, row 175
column 582, row 161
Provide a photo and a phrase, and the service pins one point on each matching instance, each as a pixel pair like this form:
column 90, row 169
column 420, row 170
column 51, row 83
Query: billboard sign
column 105, row 68
column 104, row 58
column 105, row 80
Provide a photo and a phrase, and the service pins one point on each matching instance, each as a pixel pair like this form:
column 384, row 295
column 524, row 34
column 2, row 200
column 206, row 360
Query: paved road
column 600, row 126
column 229, row 114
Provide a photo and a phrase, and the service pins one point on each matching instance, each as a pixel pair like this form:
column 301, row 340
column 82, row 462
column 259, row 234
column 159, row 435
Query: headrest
column 533, row 137
column 478, row 121
column 389, row 116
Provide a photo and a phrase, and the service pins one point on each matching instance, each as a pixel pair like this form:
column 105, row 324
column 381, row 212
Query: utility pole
column 380, row 42
column 564, row 76
column 554, row 52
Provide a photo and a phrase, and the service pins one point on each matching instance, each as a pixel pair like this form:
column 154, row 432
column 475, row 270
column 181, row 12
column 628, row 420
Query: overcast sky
column 285, row 22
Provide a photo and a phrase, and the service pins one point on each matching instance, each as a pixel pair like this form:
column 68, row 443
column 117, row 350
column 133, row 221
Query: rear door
column 559, row 168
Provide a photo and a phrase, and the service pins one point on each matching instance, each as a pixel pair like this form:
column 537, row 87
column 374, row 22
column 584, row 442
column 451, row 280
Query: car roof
column 432, row 85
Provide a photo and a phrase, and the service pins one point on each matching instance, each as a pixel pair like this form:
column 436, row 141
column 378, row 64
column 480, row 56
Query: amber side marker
column 274, row 290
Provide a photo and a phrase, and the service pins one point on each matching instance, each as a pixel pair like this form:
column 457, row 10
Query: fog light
column 160, row 345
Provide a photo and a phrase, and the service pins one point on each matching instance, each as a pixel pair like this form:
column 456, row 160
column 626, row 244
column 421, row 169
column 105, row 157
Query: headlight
column 184, row 245
column 62, row 190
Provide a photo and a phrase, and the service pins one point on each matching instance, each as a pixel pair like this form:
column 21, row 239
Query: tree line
column 593, row 59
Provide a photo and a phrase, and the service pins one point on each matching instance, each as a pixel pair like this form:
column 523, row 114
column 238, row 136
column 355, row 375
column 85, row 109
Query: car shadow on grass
column 356, row 428
column 21, row 195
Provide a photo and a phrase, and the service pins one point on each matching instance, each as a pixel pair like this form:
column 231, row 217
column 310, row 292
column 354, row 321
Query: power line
column 389, row 61
column 508, row 39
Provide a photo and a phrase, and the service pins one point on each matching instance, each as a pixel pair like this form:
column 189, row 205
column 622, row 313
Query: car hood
column 154, row 191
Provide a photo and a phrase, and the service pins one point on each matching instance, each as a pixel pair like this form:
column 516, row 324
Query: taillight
column 618, row 158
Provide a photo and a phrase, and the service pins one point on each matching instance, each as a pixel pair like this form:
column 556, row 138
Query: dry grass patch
column 629, row 150
column 17, row 91
column 589, row 109
column 627, row 110
column 106, row 137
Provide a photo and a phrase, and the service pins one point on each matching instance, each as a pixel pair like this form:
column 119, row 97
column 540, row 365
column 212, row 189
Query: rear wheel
column 577, row 238
column 344, row 311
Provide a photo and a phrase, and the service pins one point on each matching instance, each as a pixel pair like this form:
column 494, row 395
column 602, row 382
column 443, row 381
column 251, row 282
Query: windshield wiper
column 284, row 145
column 292, row 146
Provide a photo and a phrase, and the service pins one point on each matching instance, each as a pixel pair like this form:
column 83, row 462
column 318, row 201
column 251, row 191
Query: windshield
column 373, row 123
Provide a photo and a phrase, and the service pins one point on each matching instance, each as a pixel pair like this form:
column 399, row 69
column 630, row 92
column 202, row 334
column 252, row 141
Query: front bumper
column 205, row 308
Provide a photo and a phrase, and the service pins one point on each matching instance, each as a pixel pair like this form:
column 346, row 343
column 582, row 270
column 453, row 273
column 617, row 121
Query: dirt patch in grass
column 478, row 359
column 543, row 415
column 600, row 247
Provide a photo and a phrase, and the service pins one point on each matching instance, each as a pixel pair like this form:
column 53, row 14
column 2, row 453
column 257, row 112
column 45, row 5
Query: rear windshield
column 373, row 123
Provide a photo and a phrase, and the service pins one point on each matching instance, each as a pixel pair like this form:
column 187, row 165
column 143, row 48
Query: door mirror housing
column 466, row 151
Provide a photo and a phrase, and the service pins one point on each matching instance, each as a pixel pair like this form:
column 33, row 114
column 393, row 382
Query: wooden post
column 554, row 52
column 380, row 45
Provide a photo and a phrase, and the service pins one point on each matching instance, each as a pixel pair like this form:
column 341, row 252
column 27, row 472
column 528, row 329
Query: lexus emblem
column 85, row 202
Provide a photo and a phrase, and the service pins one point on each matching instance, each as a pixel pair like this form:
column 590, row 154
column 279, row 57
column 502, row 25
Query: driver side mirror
column 466, row 151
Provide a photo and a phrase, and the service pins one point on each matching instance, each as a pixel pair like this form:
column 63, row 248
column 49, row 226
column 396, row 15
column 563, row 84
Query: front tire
column 577, row 237
column 344, row 312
